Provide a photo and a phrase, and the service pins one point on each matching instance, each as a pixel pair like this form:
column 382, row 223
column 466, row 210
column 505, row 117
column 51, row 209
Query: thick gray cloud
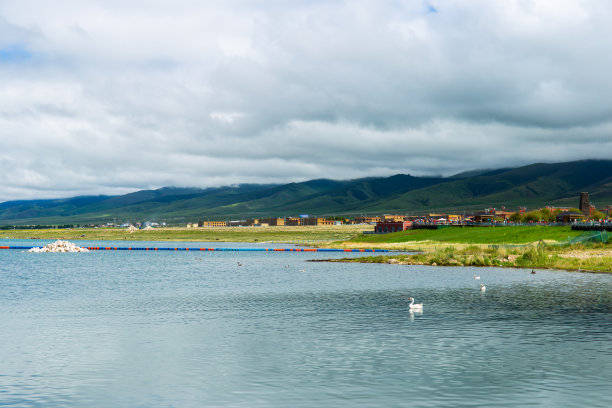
column 105, row 97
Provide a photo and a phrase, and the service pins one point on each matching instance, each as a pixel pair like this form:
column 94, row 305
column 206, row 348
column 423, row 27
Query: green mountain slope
column 532, row 186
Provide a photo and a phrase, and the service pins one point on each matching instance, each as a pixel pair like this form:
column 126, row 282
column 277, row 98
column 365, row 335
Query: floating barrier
column 105, row 248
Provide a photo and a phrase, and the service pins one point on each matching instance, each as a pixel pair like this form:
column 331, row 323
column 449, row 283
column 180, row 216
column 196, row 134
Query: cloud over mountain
column 111, row 97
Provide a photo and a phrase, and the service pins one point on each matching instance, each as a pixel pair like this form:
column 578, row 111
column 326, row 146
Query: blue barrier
column 212, row 249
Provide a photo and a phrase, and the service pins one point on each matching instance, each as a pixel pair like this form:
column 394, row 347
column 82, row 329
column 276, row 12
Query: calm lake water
column 185, row 329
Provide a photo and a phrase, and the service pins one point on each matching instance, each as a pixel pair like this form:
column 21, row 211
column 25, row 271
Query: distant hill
column 532, row 186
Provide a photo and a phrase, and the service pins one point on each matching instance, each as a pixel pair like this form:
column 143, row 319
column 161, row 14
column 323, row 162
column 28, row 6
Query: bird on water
column 415, row 307
column 482, row 287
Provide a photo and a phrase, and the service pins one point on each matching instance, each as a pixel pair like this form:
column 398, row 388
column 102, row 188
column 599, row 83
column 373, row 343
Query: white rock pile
column 59, row 246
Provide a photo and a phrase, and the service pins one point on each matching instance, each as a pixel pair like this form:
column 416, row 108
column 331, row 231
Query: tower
column 585, row 204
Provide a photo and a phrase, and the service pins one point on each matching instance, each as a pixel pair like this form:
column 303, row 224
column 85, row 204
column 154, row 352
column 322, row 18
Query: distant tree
column 532, row 216
column 338, row 218
column 516, row 217
column 547, row 215
column 597, row 215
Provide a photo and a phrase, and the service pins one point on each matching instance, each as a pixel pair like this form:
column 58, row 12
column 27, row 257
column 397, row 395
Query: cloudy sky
column 113, row 96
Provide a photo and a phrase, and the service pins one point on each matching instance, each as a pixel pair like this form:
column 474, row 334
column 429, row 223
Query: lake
column 190, row 329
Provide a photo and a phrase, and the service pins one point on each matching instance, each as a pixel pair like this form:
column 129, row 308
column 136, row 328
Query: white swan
column 476, row 277
column 418, row 307
column 482, row 287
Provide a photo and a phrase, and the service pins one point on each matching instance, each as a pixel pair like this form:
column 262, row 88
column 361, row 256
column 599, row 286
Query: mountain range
column 535, row 185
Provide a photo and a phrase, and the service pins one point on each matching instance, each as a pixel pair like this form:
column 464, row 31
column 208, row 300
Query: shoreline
column 546, row 253
column 596, row 258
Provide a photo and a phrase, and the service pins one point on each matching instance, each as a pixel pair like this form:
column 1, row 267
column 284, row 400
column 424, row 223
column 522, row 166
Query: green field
column 474, row 235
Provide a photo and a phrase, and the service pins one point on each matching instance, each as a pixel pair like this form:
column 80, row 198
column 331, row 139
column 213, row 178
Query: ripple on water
column 172, row 330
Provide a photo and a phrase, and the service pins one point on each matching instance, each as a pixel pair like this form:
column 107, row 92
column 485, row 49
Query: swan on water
column 482, row 287
column 418, row 307
column 476, row 277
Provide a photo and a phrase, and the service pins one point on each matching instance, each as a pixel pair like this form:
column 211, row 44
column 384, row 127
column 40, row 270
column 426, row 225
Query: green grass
column 475, row 235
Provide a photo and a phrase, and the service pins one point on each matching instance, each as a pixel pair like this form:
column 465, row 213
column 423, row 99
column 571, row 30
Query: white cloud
column 108, row 97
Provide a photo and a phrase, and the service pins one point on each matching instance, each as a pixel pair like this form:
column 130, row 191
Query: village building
column 454, row 218
column 210, row 224
column 264, row 222
column 484, row 217
column 492, row 214
column 293, row 221
column 394, row 218
column 569, row 217
column 317, row 221
column 383, row 227
column 314, row 221
column 277, row 222
column 367, row 220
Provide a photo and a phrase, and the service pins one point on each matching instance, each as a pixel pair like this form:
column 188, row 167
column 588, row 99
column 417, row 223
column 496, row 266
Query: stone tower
column 585, row 204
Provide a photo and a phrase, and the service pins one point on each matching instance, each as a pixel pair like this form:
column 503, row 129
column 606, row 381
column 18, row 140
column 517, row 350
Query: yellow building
column 293, row 221
column 324, row 222
column 366, row 220
column 454, row 217
column 279, row 222
column 214, row 224
column 393, row 218
column 266, row 222
column 315, row 221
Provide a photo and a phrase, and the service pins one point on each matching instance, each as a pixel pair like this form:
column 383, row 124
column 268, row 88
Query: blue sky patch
column 431, row 9
column 13, row 53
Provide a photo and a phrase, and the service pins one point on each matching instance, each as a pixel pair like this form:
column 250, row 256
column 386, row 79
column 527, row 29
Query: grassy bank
column 592, row 258
column 298, row 235
column 518, row 247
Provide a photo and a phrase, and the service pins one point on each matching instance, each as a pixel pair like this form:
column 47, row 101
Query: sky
column 110, row 96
